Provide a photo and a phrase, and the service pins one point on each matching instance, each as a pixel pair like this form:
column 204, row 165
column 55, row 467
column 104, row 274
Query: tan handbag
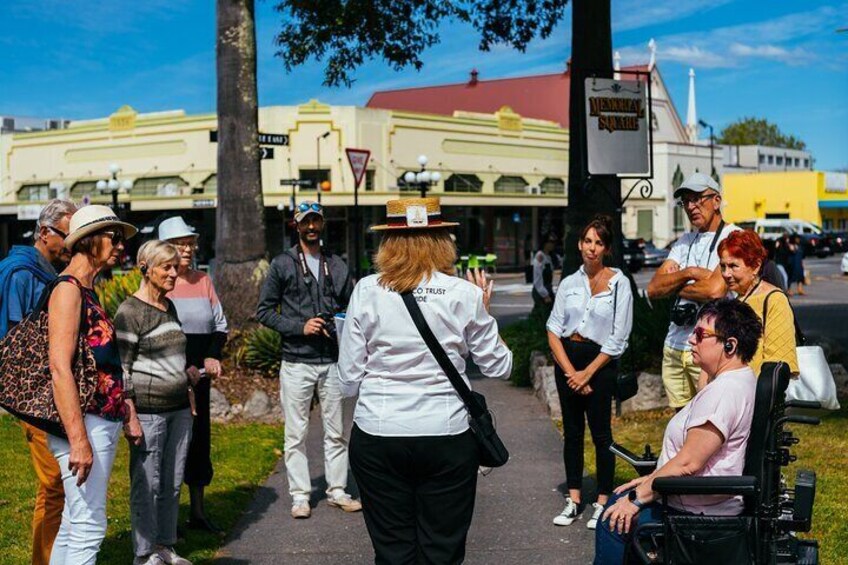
column 26, row 385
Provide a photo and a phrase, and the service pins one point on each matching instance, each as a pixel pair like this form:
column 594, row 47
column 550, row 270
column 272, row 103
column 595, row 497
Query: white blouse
column 605, row 318
column 402, row 390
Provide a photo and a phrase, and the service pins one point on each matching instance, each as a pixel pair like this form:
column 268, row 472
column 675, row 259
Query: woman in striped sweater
column 206, row 333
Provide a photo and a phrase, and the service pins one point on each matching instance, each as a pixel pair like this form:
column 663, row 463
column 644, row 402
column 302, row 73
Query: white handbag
column 816, row 381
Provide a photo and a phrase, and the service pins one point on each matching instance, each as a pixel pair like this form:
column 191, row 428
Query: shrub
column 650, row 326
column 523, row 338
column 112, row 292
column 262, row 349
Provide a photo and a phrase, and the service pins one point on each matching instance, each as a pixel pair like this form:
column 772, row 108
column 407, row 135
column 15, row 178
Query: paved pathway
column 512, row 519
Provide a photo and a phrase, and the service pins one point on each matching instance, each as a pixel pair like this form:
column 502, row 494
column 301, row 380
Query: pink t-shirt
column 728, row 403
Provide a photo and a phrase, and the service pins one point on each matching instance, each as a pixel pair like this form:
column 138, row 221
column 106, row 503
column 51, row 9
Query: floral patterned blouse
column 108, row 400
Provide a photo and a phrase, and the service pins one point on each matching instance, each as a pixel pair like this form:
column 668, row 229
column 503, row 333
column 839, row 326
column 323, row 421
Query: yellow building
column 812, row 196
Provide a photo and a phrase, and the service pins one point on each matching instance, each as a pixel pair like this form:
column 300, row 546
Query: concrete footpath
column 512, row 518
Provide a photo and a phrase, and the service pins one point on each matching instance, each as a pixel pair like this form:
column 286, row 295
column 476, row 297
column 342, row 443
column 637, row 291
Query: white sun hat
column 94, row 218
column 175, row 228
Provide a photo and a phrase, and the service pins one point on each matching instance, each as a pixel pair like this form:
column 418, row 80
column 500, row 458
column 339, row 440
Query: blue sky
column 778, row 59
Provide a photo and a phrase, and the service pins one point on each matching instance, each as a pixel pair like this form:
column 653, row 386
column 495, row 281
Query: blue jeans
column 610, row 547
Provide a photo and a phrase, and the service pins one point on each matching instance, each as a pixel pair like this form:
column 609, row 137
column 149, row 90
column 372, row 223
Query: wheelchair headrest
column 770, row 396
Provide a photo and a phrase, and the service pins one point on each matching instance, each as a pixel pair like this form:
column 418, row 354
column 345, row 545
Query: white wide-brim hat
column 94, row 218
column 175, row 228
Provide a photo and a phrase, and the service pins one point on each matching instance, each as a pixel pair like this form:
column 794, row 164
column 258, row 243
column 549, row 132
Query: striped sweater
column 202, row 316
column 153, row 355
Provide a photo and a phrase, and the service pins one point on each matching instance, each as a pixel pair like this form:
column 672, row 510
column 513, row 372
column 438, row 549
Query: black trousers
column 417, row 495
column 596, row 408
column 198, row 469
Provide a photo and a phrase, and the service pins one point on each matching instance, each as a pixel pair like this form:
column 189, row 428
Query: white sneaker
column 152, row 559
column 597, row 510
column 170, row 557
column 568, row 514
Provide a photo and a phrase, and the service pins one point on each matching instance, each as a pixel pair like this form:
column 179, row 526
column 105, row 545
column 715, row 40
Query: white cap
column 175, row 228
column 699, row 182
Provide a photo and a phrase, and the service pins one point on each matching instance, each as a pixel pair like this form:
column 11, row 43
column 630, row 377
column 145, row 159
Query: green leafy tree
column 758, row 131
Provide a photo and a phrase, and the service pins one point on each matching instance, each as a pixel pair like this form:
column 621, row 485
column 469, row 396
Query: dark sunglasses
column 304, row 207
column 60, row 233
column 701, row 333
column 115, row 236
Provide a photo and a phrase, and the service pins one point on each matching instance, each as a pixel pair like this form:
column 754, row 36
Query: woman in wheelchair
column 708, row 437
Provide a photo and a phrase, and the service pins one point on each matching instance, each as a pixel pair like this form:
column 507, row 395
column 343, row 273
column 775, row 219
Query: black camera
column 329, row 325
column 684, row 314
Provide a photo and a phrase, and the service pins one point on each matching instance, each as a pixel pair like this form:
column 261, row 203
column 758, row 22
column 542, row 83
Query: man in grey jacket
column 309, row 288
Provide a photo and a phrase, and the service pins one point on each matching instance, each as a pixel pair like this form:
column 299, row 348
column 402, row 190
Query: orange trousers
column 49, row 498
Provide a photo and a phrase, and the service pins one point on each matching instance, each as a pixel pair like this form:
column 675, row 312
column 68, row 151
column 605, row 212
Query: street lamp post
column 114, row 186
column 422, row 178
column 712, row 146
column 320, row 184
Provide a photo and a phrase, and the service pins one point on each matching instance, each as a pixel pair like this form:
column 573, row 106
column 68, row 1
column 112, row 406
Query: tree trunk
column 240, row 235
column 591, row 52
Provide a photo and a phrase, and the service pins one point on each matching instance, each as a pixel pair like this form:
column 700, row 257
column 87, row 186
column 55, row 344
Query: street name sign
column 264, row 138
column 358, row 159
column 617, row 127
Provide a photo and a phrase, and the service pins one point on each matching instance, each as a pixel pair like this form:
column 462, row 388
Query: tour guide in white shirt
column 691, row 274
column 587, row 331
column 411, row 450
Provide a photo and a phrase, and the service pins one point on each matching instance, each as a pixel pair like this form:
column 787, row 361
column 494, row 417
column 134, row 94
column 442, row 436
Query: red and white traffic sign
column 358, row 159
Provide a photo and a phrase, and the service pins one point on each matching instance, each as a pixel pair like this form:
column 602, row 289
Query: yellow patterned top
column 778, row 343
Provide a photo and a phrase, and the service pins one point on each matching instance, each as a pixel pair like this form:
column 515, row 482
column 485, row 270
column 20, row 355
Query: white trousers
column 298, row 382
column 84, row 517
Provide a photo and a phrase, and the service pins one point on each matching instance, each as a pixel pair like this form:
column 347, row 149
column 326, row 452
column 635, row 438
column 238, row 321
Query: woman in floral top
column 96, row 241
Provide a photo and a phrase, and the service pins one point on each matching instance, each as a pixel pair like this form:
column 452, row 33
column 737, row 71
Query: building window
column 771, row 159
column 369, row 180
column 314, row 175
column 463, row 183
column 159, row 186
column 797, row 162
column 678, row 219
column 779, row 160
column 210, row 185
column 511, row 185
column 82, row 188
column 806, row 163
column 35, row 193
column 552, row 186
column 762, row 159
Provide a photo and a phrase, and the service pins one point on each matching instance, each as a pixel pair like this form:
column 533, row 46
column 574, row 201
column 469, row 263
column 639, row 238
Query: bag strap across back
column 441, row 356
column 800, row 338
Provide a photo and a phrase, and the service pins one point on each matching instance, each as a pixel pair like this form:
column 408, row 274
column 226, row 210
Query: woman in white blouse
column 411, row 450
column 587, row 331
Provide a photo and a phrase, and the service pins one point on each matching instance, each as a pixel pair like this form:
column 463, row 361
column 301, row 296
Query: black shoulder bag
column 490, row 448
column 626, row 384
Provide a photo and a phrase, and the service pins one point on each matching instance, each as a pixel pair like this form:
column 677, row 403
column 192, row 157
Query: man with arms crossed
column 691, row 274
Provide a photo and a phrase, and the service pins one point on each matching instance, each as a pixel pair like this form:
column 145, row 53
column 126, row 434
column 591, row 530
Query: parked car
column 816, row 241
column 845, row 264
column 838, row 241
column 633, row 252
column 654, row 256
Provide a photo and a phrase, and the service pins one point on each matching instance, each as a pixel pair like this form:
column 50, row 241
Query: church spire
column 691, row 112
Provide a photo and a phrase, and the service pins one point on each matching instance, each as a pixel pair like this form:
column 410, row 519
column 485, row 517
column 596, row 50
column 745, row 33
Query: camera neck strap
column 308, row 276
column 713, row 244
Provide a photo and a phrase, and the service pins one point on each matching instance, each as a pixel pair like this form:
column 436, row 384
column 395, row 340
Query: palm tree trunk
column 240, row 234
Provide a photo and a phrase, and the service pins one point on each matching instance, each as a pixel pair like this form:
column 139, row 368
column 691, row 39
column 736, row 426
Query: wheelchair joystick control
column 648, row 454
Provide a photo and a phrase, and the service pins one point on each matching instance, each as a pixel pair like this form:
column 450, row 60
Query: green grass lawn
column 823, row 449
column 244, row 456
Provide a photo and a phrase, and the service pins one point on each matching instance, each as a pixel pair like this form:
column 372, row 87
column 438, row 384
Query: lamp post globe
column 409, row 177
column 101, row 185
column 422, row 160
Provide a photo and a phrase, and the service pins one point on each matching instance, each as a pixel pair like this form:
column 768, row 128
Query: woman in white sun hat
column 96, row 241
column 205, row 327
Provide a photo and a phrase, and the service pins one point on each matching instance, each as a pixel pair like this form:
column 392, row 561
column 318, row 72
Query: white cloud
column 635, row 14
column 796, row 56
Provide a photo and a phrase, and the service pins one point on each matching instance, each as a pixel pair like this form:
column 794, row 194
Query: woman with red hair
column 742, row 257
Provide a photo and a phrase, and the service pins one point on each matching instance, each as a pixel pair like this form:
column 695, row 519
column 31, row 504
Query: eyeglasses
column 305, row 207
column 115, row 236
column 701, row 333
column 184, row 244
column 60, row 233
column 685, row 201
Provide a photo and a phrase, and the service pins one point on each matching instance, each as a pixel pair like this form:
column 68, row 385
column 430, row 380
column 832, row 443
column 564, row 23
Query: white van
column 773, row 228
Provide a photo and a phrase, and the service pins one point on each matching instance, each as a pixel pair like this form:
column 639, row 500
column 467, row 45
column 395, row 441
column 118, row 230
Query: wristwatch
column 631, row 496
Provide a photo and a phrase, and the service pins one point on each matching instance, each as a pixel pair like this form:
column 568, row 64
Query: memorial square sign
column 617, row 127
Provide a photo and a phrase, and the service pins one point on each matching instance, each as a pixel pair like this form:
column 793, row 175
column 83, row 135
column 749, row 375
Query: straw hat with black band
column 92, row 219
column 413, row 214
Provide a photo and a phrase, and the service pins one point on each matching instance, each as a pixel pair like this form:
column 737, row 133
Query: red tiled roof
column 540, row 96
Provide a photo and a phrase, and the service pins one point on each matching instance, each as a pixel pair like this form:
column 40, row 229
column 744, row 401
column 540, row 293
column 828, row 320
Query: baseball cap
column 699, row 182
column 305, row 208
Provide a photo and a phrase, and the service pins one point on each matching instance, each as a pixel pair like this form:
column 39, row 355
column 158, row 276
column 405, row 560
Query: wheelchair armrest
column 737, row 485
column 643, row 464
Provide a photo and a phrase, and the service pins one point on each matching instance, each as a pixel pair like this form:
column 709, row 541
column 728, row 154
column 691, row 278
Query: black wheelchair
column 765, row 533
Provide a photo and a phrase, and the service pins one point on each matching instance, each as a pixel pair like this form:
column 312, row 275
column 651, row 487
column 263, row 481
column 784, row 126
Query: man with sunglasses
column 692, row 275
column 24, row 274
column 309, row 287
